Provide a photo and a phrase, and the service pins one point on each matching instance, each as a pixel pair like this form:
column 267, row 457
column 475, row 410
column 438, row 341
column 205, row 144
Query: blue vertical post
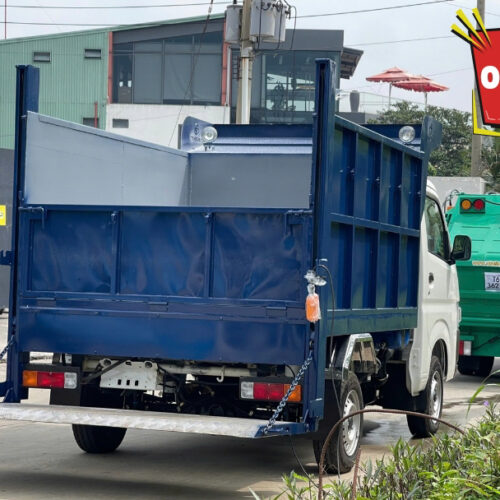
column 27, row 86
column 322, row 156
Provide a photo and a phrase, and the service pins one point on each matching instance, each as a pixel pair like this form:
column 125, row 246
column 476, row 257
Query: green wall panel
column 69, row 83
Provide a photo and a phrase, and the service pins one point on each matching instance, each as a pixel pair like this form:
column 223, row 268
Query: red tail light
column 478, row 204
column 49, row 380
column 265, row 391
column 465, row 348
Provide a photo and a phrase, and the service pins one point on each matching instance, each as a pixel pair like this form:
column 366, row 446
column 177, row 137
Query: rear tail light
column 478, row 204
column 265, row 391
column 50, row 380
column 473, row 205
column 465, row 348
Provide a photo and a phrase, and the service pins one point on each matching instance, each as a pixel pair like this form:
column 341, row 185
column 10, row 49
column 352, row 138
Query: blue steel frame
column 27, row 89
column 260, row 325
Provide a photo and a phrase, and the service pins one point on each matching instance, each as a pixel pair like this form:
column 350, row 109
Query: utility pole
column 5, row 19
column 246, row 63
column 477, row 141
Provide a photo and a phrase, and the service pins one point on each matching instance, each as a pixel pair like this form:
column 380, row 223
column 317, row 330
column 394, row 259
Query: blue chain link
column 6, row 348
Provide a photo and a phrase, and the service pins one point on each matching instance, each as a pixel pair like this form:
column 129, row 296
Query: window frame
column 40, row 53
column 446, row 241
column 87, row 53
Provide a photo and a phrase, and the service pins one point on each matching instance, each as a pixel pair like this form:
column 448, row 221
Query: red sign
column 487, row 68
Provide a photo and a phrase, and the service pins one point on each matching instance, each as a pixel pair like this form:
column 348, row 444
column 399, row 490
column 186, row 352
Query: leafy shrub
column 454, row 467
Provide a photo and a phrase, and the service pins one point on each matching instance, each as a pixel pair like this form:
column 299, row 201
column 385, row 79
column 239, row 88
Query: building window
column 92, row 53
column 178, row 70
column 91, row 122
column 120, row 123
column 41, row 57
column 283, row 85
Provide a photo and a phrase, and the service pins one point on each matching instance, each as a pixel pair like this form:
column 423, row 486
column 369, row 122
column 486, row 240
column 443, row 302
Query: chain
column 293, row 385
column 6, row 348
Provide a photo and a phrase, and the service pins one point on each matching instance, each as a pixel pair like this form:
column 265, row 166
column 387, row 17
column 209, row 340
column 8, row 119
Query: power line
column 377, row 9
column 400, row 41
column 110, row 7
column 79, row 24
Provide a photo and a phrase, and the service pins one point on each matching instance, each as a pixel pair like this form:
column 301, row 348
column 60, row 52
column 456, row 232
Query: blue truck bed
column 123, row 248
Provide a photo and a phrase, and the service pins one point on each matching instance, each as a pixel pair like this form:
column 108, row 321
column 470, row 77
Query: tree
column 491, row 162
column 453, row 157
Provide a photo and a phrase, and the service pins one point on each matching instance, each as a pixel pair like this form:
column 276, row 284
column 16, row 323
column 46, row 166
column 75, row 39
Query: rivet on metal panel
column 208, row 217
column 114, row 217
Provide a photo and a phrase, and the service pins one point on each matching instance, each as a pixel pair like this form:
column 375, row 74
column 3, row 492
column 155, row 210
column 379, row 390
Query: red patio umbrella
column 421, row 84
column 390, row 76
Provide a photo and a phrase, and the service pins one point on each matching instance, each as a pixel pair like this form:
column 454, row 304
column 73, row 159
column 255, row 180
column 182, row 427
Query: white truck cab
column 436, row 336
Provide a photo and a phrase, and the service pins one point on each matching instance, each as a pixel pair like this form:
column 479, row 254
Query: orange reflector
column 313, row 313
column 465, row 204
column 296, row 396
column 30, row 378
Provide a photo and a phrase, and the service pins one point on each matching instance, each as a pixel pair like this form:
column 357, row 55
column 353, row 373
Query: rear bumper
column 133, row 419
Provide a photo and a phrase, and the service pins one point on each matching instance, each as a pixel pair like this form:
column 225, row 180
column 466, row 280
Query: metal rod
column 246, row 58
column 477, row 142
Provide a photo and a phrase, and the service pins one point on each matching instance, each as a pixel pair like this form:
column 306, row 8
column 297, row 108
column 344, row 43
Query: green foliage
column 491, row 160
column 450, row 467
column 454, row 156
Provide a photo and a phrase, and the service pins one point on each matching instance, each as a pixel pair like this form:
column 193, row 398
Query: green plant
column 454, row 467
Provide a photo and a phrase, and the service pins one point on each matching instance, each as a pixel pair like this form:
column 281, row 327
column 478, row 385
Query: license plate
column 492, row 282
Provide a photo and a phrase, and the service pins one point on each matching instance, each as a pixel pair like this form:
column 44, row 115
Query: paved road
column 41, row 461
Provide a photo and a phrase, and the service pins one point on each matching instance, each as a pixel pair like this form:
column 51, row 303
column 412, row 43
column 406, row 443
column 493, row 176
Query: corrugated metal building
column 73, row 75
column 143, row 80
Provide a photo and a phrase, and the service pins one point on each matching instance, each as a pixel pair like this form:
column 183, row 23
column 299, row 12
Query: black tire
column 344, row 445
column 96, row 439
column 480, row 366
column 431, row 403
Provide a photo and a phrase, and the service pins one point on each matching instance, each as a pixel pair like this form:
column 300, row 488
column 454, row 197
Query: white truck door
column 438, row 311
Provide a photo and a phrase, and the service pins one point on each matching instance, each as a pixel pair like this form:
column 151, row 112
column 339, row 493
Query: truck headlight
column 208, row 135
column 406, row 134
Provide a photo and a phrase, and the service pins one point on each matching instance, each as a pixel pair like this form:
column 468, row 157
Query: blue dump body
column 215, row 272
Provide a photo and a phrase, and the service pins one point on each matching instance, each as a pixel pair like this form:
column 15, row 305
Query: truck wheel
column 432, row 403
column 344, row 445
column 96, row 439
column 475, row 365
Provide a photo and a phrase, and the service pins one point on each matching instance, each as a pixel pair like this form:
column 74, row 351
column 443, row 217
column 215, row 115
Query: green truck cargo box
column 478, row 216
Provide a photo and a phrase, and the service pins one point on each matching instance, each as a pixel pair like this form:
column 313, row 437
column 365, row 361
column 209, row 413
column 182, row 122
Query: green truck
column 478, row 216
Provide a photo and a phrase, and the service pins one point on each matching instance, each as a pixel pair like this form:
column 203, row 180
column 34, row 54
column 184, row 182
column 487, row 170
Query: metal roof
column 121, row 27
column 349, row 61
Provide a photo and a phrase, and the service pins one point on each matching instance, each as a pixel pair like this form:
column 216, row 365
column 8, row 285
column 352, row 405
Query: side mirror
column 461, row 248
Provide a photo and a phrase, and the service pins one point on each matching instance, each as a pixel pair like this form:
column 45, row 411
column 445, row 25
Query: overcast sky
column 445, row 58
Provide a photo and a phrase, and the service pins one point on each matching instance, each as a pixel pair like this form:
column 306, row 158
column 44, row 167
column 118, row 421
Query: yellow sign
column 486, row 263
column 3, row 215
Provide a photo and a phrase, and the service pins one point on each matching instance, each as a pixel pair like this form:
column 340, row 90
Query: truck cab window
column 436, row 233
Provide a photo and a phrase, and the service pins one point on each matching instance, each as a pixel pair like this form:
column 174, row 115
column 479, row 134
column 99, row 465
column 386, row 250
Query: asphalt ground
column 42, row 461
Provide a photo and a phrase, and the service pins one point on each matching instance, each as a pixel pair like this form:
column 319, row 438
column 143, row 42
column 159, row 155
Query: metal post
column 390, row 91
column 5, row 19
column 246, row 58
column 477, row 141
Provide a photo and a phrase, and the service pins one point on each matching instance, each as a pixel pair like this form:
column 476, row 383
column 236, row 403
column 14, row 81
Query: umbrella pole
column 425, row 96
column 390, row 89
